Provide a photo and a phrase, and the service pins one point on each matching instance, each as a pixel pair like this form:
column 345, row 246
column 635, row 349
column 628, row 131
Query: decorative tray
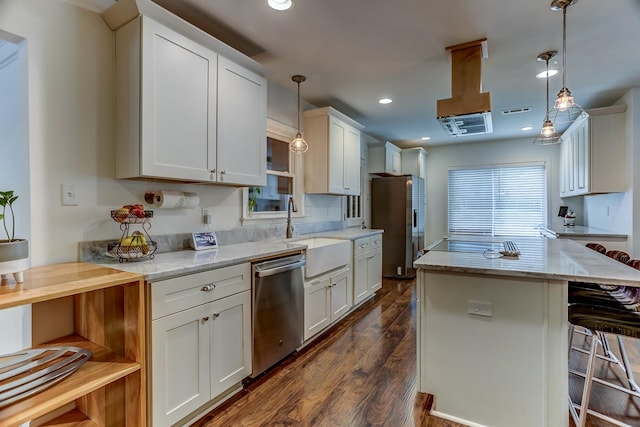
column 28, row 372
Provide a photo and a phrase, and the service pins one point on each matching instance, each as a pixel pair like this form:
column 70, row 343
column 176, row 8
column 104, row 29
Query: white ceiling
column 354, row 52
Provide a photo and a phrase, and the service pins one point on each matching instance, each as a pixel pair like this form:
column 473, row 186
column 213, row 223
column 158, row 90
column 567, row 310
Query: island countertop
column 560, row 259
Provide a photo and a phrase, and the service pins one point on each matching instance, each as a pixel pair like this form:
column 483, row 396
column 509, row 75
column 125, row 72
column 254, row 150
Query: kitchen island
column 492, row 331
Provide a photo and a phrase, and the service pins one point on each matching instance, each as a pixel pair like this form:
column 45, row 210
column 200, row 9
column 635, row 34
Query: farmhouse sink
column 325, row 254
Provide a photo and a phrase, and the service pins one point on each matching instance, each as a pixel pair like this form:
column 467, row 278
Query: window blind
column 497, row 201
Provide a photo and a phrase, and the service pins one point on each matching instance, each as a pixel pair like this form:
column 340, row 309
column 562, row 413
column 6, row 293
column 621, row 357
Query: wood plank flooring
column 362, row 373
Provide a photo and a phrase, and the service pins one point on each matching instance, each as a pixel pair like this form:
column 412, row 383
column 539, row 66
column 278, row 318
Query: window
column 497, row 201
column 271, row 200
column 275, row 195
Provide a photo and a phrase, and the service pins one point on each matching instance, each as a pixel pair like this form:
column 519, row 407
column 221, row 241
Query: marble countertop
column 173, row 264
column 582, row 230
column 560, row 259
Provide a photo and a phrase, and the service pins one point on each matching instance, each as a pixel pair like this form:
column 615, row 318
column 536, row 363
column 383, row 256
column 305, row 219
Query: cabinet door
column 242, row 125
column 178, row 106
column 564, row 168
column 360, row 282
column 337, row 131
column 317, row 312
column 341, row 294
column 374, row 271
column 230, row 342
column 581, row 141
column 180, row 364
column 351, row 165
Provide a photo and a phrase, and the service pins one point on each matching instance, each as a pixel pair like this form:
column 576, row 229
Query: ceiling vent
column 468, row 111
column 510, row 111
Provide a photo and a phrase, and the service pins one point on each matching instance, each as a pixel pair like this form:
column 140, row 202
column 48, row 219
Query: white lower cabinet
column 200, row 352
column 367, row 267
column 327, row 298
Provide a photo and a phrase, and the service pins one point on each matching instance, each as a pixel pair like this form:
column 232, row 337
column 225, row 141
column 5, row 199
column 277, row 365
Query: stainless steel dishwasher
column 278, row 304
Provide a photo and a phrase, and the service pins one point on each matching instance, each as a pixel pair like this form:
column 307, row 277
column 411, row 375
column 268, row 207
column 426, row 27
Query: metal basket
column 132, row 219
column 134, row 252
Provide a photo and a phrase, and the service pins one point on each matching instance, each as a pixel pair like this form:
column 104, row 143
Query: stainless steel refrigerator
column 398, row 207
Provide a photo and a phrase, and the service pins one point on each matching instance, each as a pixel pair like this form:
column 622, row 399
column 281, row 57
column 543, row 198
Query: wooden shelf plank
column 102, row 369
column 61, row 280
column 73, row 418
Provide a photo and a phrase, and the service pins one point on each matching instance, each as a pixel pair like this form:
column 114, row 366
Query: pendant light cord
column 547, row 104
column 564, row 46
column 298, row 107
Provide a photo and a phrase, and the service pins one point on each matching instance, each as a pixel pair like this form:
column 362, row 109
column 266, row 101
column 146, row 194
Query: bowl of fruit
column 131, row 214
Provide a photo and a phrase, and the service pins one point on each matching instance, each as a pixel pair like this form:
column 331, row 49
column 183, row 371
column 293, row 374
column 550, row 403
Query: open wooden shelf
column 104, row 309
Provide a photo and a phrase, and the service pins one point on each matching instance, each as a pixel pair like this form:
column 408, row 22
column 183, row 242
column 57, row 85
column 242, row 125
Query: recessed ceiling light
column 543, row 74
column 385, row 101
column 425, row 138
column 280, row 4
column 527, row 128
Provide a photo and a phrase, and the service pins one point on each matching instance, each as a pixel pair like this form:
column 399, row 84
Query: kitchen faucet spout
column 291, row 206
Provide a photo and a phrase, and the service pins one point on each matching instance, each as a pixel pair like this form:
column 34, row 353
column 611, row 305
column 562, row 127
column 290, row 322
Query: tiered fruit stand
column 136, row 245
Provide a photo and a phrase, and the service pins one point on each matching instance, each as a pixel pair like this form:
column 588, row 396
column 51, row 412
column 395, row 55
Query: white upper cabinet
column 332, row 164
column 183, row 111
column 242, row 125
column 385, row 160
column 414, row 162
column 593, row 153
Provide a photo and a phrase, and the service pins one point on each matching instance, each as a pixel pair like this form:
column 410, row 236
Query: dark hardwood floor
column 363, row 373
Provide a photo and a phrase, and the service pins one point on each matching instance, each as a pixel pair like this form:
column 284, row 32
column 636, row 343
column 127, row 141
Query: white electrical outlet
column 69, row 195
column 480, row 308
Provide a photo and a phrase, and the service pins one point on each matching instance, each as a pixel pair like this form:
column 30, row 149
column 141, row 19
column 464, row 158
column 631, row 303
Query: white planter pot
column 14, row 259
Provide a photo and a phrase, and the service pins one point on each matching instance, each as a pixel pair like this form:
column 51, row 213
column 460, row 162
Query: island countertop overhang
column 554, row 259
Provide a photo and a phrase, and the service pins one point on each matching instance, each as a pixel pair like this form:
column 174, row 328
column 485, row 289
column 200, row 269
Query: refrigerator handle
column 415, row 218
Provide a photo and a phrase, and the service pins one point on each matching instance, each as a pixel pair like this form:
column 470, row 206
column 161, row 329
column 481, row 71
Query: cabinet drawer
column 361, row 245
column 366, row 244
column 375, row 242
column 173, row 295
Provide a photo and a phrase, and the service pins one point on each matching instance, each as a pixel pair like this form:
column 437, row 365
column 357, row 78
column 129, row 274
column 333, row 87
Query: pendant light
column 548, row 134
column 565, row 108
column 298, row 145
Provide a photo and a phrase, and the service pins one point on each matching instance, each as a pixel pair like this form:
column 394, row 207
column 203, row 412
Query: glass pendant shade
column 298, row 145
column 548, row 134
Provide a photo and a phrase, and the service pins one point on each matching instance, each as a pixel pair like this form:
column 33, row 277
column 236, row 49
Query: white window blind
column 497, row 201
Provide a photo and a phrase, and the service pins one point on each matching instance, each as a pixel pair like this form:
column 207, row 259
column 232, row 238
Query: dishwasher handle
column 280, row 269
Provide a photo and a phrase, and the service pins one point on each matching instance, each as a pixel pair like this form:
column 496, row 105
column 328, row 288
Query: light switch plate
column 69, row 195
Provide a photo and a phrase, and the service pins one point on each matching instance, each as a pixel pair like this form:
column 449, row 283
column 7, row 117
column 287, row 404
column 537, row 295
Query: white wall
column 71, row 119
column 14, row 172
column 441, row 158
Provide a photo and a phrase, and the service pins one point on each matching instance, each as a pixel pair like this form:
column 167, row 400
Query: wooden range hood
column 468, row 111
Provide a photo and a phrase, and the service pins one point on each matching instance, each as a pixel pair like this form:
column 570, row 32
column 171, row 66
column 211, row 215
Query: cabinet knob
column 222, row 172
column 204, row 319
column 208, row 287
column 212, row 175
column 216, row 315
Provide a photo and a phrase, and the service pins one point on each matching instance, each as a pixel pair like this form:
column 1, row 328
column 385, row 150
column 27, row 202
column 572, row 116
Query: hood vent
column 470, row 124
column 468, row 111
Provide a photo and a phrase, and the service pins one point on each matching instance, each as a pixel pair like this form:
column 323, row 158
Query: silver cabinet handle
column 222, row 172
column 212, row 175
column 208, row 287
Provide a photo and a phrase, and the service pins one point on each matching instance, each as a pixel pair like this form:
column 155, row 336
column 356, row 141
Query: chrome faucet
column 291, row 206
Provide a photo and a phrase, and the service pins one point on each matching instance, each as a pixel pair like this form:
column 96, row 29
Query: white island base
column 504, row 370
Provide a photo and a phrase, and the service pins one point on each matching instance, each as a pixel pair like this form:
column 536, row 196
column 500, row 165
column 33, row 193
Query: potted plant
column 14, row 253
column 253, row 198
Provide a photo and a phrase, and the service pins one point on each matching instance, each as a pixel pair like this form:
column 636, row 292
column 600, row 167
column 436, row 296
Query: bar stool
column 600, row 320
column 597, row 247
